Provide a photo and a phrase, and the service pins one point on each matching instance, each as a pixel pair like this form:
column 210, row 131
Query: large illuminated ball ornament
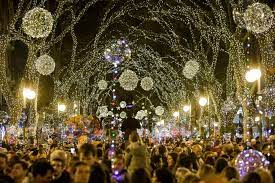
column 159, row 110
column 140, row 115
column 238, row 17
column 37, row 23
column 45, row 64
column 128, row 80
column 122, row 104
column 249, row 160
column 102, row 84
column 190, row 69
column 118, row 51
column 147, row 83
column 123, row 115
column 258, row 18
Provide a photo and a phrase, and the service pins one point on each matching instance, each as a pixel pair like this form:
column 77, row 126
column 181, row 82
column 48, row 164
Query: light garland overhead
column 147, row 83
column 45, row 64
column 258, row 18
column 102, row 85
column 128, row 80
column 38, row 23
column 190, row 69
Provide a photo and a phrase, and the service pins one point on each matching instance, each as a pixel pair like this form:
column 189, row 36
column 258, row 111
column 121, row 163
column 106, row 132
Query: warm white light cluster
column 102, row 84
column 190, row 69
column 122, row 104
column 238, row 17
column 45, row 64
column 37, row 23
column 159, row 110
column 258, row 17
column 141, row 114
column 102, row 111
column 123, row 115
column 147, row 83
column 128, row 80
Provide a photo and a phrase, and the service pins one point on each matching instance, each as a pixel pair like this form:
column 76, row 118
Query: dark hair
column 98, row 175
column 220, row 165
column 24, row 164
column 40, row 168
column 174, row 156
column 2, row 155
column 87, row 149
column 99, row 153
column 164, row 175
column 252, row 177
column 230, row 173
column 140, row 176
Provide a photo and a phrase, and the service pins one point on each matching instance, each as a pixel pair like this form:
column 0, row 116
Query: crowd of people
column 135, row 161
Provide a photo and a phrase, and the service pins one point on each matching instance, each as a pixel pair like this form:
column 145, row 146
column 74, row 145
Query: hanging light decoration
column 258, row 17
column 128, row 80
column 37, row 23
column 159, row 110
column 140, row 115
column 118, row 52
column 190, row 69
column 122, row 104
column 147, row 83
column 103, row 111
column 102, row 85
column 123, row 115
column 45, row 64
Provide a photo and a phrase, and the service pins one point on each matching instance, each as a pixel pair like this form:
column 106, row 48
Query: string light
column 45, row 64
column 147, row 83
column 128, row 80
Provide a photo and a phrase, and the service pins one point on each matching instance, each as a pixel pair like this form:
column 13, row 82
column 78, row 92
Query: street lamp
column 203, row 101
column 29, row 94
column 61, row 107
column 186, row 108
column 253, row 75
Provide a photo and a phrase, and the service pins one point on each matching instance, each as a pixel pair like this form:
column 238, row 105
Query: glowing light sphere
column 118, row 52
column 258, row 17
column 29, row 94
column 122, row 104
column 147, row 83
column 37, row 23
column 45, row 64
column 190, row 69
column 249, row 160
column 128, row 80
column 176, row 114
column 159, row 110
column 186, row 108
column 110, row 113
column 103, row 110
column 203, row 101
column 238, row 17
column 102, row 85
column 253, row 75
column 123, row 115
column 61, row 107
column 140, row 115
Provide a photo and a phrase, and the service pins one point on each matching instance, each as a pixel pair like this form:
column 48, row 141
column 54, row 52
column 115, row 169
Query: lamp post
column 187, row 108
column 28, row 94
column 203, row 101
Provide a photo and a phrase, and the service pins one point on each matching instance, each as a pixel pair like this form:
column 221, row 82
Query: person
column 205, row 171
column 98, row 174
column 87, row 154
column 81, row 172
column 191, row 178
column 119, row 173
column 4, row 178
column 230, row 173
column 171, row 160
column 197, row 150
column 252, row 177
column 162, row 175
column 136, row 155
column 42, row 172
column 265, row 175
column 58, row 160
column 140, row 176
column 180, row 173
column 19, row 171
column 221, row 163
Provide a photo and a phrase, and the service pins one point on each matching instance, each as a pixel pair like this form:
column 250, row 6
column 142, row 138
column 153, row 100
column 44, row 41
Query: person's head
column 265, row 175
column 205, row 171
column 220, row 165
column 230, row 173
column 197, row 149
column 98, row 175
column 266, row 149
column 140, row 176
column 134, row 136
column 191, row 178
column 162, row 175
column 19, row 170
column 215, row 179
column 87, row 153
column 42, row 172
column 252, row 177
column 81, row 172
column 172, row 159
column 118, row 164
column 58, row 161
column 3, row 161
column 180, row 173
